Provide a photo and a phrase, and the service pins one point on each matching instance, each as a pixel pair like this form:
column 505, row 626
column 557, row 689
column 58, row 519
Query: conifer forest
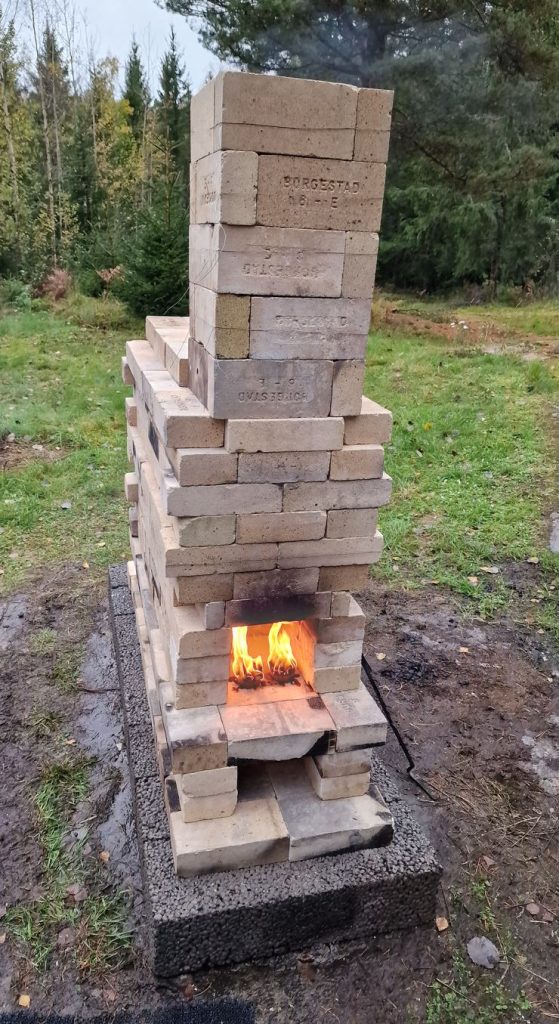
column 94, row 159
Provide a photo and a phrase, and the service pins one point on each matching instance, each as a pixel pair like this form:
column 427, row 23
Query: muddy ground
column 478, row 705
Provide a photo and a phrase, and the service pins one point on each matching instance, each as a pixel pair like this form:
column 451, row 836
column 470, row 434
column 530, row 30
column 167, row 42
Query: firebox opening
column 270, row 655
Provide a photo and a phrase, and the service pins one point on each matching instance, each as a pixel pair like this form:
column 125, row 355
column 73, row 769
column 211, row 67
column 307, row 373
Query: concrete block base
column 229, row 917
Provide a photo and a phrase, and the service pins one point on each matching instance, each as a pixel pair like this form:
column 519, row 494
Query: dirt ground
column 478, row 705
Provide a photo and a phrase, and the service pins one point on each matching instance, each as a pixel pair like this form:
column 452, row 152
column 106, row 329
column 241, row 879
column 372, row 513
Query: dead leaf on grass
column 490, row 570
column 463, row 650
column 104, row 856
column 380, row 656
column 473, row 580
column 441, row 924
column 24, row 1000
column 533, row 560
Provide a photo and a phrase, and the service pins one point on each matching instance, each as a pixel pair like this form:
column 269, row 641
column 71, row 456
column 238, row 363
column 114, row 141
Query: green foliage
column 136, row 91
column 155, row 278
column 472, row 184
column 84, row 173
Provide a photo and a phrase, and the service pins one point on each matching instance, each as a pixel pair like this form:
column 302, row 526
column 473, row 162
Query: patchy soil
column 17, row 453
column 476, row 332
column 478, row 705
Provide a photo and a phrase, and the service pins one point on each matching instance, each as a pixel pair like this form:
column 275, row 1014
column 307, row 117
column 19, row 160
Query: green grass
column 60, row 385
column 473, row 463
column 540, row 318
column 467, row 998
column 102, row 940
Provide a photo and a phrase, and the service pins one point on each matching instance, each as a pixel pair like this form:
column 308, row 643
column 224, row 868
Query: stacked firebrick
column 258, row 474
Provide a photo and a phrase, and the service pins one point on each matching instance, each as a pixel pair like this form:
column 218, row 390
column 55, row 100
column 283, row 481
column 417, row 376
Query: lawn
column 472, row 456
column 60, row 387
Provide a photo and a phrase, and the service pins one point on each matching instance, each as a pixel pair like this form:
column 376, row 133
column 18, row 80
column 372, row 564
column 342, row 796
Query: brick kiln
column 258, row 473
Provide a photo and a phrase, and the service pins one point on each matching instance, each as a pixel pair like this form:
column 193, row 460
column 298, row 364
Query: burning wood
column 248, row 671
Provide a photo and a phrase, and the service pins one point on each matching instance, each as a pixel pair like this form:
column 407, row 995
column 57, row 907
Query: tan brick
column 260, row 388
column 131, row 487
column 347, row 387
column 372, row 146
column 279, row 583
column 183, row 561
column 374, row 110
column 358, row 720
column 195, row 737
column 300, row 435
column 343, row 577
column 202, row 121
column 205, row 530
column 212, row 614
column 192, row 589
column 352, row 522
column 224, row 188
column 267, row 261
column 194, row 467
column 181, row 421
column 357, row 462
column 336, row 679
column 131, row 411
column 196, row 501
column 220, row 322
column 336, row 494
column 127, row 376
column 202, row 808
column 373, row 425
column 341, row 604
column 187, row 671
column 338, row 654
column 188, row 634
column 200, row 695
column 209, row 783
column 361, row 250
column 254, row 834
column 338, row 787
column 341, row 627
column 291, row 328
column 336, row 764
column 176, row 361
column 336, row 551
column 274, row 114
column 283, row 467
column 311, row 193
column 280, row 526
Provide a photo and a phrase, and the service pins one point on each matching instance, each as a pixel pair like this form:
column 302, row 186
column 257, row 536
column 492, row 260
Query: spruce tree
column 174, row 105
column 136, row 91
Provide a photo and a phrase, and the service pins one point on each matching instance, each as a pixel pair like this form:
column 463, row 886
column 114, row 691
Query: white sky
column 111, row 24
column 106, row 28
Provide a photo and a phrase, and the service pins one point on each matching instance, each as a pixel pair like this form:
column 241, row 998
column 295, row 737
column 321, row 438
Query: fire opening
column 271, row 660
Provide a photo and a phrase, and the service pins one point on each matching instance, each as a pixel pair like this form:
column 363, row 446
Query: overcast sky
column 111, row 24
column 106, row 27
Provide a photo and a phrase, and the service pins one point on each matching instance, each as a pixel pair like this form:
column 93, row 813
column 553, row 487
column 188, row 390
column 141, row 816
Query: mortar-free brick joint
column 257, row 475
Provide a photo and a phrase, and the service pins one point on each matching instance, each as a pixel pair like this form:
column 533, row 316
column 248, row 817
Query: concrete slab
column 229, row 917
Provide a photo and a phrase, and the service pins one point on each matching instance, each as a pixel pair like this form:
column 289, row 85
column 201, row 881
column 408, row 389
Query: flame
column 249, row 671
column 244, row 666
column 281, row 661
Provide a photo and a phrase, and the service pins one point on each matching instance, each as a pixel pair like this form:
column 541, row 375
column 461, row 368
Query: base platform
column 233, row 916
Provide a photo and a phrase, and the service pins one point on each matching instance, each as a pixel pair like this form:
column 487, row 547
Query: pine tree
column 174, row 108
column 136, row 91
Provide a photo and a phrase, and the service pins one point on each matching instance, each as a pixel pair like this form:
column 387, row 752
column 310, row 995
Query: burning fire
column 248, row 671
column 243, row 665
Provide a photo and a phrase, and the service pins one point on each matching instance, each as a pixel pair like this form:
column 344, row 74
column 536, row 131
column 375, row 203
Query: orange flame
column 244, row 666
column 281, row 663
column 280, row 659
